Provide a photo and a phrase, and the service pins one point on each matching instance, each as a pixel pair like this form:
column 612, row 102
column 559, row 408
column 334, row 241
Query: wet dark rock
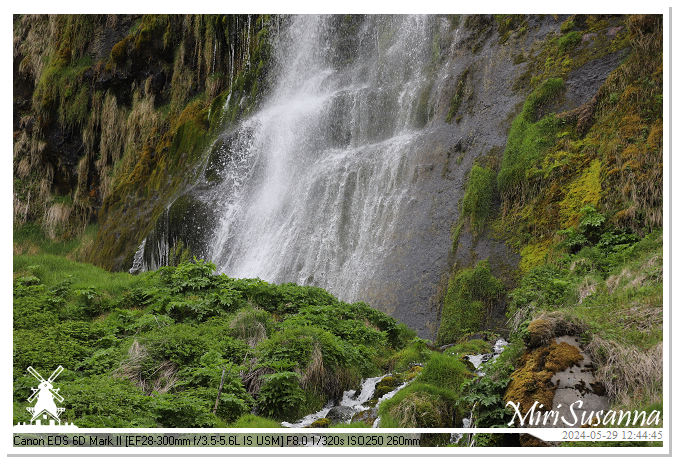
column 340, row 414
column 584, row 82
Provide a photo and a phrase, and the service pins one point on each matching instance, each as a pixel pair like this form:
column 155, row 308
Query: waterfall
column 323, row 173
column 339, row 179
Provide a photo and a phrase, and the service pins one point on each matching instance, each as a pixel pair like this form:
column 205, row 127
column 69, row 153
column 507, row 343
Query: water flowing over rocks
column 478, row 359
column 349, row 175
column 351, row 404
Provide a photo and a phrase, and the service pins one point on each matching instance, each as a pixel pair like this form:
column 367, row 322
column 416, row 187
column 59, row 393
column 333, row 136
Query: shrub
column 543, row 286
column 342, row 321
column 280, row 396
column 251, row 326
column 250, row 421
column 190, row 275
column 178, row 343
column 164, row 337
column 231, row 407
column 103, row 401
column 93, row 303
column 183, row 410
column 284, row 298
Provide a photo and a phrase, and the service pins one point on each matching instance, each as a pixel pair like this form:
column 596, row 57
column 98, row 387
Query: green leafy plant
column 280, row 396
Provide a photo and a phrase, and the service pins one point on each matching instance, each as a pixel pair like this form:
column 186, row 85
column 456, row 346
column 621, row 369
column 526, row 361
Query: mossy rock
column 562, row 356
column 412, row 373
column 539, row 331
column 322, row 423
column 368, row 417
column 531, row 381
column 548, row 326
column 387, row 384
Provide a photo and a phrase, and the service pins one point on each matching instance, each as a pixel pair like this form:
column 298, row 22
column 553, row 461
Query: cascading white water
column 320, row 178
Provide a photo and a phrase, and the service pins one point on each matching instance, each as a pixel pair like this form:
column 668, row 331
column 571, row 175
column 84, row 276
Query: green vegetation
column 611, row 291
column 590, row 239
column 430, row 400
column 152, row 349
column 478, row 197
column 606, row 153
column 569, row 41
column 159, row 100
column 511, row 24
column 564, row 51
column 415, row 352
column 29, row 239
column 581, row 203
column 473, row 346
column 470, row 296
column 484, row 395
column 250, row 421
column 528, row 140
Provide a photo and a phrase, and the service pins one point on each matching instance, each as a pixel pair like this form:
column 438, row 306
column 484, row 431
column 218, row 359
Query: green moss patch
column 478, row 197
column 470, row 295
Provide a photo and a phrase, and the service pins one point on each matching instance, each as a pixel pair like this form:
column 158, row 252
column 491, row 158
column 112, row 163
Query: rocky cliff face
column 111, row 113
column 116, row 118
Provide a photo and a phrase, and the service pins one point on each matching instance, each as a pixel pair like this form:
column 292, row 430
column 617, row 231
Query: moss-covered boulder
column 531, row 381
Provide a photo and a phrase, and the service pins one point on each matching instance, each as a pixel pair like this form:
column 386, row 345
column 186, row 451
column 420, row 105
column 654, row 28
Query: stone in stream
column 387, row 384
column 341, row 414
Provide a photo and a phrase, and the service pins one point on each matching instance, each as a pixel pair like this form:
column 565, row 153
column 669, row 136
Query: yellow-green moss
column 528, row 140
column 584, row 190
column 458, row 95
column 562, row 356
column 412, row 373
column 478, row 198
column 531, row 381
column 320, row 423
column 534, row 254
column 609, row 155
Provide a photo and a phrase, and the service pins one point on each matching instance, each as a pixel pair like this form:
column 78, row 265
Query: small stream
column 351, row 404
column 354, row 402
column 478, row 361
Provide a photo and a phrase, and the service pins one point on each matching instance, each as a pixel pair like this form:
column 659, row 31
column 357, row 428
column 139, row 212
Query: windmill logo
column 45, row 394
column 45, row 407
